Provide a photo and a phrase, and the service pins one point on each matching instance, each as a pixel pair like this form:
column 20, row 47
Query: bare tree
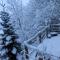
column 2, row 4
column 17, row 10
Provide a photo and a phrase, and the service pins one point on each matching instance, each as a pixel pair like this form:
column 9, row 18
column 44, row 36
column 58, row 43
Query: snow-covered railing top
column 39, row 36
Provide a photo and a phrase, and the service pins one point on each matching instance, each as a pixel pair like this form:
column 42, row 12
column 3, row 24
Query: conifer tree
column 9, row 45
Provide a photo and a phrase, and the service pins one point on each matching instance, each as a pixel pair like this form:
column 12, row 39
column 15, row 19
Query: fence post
column 48, row 30
column 40, row 40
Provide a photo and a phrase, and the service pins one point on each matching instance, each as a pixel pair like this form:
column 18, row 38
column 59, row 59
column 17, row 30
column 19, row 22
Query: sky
column 25, row 2
column 4, row 1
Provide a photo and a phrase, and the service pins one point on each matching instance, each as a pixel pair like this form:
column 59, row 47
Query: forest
column 29, row 29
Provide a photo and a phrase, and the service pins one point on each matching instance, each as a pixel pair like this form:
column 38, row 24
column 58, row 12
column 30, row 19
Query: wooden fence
column 55, row 28
column 40, row 36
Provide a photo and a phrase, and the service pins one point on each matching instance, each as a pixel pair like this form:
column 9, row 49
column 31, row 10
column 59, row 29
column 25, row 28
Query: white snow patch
column 8, row 38
column 1, row 32
column 51, row 46
column 14, row 51
column 7, row 42
column 32, row 56
column 1, row 21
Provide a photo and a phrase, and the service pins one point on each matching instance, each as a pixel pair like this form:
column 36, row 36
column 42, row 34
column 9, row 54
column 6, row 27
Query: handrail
column 37, row 34
column 27, row 46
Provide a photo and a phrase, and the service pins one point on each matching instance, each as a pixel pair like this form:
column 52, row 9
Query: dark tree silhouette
column 10, row 45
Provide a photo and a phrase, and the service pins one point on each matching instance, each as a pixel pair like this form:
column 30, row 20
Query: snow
column 1, row 31
column 2, row 52
column 1, row 21
column 1, row 37
column 1, row 27
column 19, row 57
column 14, row 51
column 51, row 46
column 8, row 38
column 1, row 41
column 30, row 21
column 7, row 42
column 32, row 56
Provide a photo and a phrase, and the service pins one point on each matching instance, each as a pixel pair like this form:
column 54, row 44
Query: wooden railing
column 40, row 36
column 55, row 28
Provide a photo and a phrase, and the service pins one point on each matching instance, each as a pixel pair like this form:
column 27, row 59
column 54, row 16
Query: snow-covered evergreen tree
column 9, row 47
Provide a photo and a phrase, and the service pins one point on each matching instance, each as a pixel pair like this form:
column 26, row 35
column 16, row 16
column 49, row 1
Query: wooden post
column 47, row 31
column 40, row 38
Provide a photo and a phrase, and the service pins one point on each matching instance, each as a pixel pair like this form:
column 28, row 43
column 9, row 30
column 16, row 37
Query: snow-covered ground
column 51, row 46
